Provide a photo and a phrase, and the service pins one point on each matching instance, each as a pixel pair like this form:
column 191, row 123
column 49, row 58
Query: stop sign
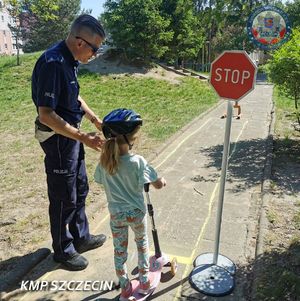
column 233, row 74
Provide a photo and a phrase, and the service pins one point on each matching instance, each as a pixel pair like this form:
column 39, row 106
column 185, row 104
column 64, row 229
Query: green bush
column 284, row 68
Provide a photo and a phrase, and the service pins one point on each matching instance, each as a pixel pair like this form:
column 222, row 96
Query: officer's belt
column 44, row 128
column 76, row 125
column 43, row 132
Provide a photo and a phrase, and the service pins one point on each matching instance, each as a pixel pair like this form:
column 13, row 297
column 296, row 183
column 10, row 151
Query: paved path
column 185, row 211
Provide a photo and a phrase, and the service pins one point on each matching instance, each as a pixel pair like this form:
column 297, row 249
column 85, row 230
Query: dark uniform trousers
column 67, row 191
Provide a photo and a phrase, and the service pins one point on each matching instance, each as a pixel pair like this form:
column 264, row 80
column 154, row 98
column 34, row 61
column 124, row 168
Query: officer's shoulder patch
column 54, row 57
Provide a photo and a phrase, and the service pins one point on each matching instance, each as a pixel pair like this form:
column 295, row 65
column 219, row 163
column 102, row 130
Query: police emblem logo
column 268, row 27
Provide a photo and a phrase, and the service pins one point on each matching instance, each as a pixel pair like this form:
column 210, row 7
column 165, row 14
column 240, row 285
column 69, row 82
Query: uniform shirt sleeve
column 98, row 175
column 49, row 85
column 147, row 173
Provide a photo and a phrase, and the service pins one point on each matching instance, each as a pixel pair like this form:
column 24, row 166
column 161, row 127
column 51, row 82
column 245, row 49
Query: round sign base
column 222, row 261
column 211, row 280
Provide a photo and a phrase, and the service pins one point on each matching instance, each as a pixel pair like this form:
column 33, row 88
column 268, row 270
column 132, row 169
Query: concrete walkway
column 185, row 210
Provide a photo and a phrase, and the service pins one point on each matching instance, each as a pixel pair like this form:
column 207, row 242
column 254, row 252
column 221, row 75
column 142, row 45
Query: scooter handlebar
column 150, row 209
column 146, row 187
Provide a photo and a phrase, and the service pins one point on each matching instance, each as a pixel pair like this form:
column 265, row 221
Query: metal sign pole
column 214, row 273
column 223, row 180
column 232, row 75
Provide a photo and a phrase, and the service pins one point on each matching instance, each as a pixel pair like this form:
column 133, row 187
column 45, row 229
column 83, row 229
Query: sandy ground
column 116, row 67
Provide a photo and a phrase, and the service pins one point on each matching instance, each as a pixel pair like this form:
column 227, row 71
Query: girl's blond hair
column 110, row 155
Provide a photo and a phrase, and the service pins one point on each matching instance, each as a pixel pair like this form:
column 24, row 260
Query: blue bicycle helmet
column 120, row 122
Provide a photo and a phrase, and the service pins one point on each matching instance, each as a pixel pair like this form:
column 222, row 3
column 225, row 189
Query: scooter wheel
column 174, row 266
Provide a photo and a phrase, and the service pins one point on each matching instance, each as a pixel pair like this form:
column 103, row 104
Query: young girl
column 123, row 176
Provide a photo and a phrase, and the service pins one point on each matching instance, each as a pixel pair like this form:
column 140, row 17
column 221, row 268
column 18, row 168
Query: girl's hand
column 159, row 183
column 93, row 140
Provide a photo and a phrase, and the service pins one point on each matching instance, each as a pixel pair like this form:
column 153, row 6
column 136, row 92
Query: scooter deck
column 136, row 296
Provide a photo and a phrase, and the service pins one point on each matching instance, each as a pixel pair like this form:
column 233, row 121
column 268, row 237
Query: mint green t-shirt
column 124, row 190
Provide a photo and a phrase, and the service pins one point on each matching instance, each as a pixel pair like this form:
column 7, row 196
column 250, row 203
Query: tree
column 284, row 68
column 231, row 37
column 49, row 23
column 137, row 27
column 188, row 36
column 293, row 11
column 15, row 8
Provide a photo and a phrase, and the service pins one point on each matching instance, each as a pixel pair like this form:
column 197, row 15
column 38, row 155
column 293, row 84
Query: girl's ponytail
column 110, row 156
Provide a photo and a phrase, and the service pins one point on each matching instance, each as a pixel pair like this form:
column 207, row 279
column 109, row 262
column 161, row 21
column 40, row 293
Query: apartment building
column 7, row 42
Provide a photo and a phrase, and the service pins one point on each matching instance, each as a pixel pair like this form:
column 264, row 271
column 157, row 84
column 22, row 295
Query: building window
column 1, row 4
column 4, row 32
column 5, row 46
column 2, row 17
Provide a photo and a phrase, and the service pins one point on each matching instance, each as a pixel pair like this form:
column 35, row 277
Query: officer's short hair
column 89, row 23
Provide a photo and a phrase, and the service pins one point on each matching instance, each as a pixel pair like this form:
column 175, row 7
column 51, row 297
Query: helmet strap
column 130, row 145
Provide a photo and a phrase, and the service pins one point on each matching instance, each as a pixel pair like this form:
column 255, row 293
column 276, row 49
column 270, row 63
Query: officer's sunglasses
column 95, row 49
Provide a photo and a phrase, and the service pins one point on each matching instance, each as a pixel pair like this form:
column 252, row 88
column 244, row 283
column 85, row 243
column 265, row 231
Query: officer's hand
column 94, row 141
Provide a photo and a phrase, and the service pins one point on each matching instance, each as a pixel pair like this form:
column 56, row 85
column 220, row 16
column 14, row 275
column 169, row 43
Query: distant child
column 123, row 175
column 239, row 111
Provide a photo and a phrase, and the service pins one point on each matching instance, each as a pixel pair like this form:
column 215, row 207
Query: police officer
column 55, row 93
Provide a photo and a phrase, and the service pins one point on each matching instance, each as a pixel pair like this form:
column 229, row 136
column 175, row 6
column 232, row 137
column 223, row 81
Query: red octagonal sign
column 233, row 74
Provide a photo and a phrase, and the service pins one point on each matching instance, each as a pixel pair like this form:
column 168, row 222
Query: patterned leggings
column 119, row 223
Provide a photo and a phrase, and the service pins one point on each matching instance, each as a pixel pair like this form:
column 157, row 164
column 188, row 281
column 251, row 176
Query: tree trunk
column 297, row 112
column 18, row 51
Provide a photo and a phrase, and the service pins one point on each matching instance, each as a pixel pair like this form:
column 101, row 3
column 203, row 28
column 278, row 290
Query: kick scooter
column 157, row 261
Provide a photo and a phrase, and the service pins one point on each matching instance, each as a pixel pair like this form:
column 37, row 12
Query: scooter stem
column 151, row 214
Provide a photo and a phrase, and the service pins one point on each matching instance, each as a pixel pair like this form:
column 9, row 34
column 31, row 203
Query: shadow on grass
column 278, row 274
column 286, row 170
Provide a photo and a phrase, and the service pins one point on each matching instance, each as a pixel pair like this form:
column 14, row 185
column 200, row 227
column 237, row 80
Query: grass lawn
column 164, row 106
column 285, row 115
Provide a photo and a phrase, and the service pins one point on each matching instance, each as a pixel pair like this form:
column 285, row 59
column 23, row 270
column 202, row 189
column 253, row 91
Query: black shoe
column 74, row 262
column 94, row 242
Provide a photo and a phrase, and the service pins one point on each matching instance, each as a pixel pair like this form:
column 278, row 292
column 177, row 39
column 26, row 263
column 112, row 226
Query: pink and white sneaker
column 126, row 292
column 146, row 287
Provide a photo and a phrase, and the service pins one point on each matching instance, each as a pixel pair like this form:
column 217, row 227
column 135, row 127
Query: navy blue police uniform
column 55, row 85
